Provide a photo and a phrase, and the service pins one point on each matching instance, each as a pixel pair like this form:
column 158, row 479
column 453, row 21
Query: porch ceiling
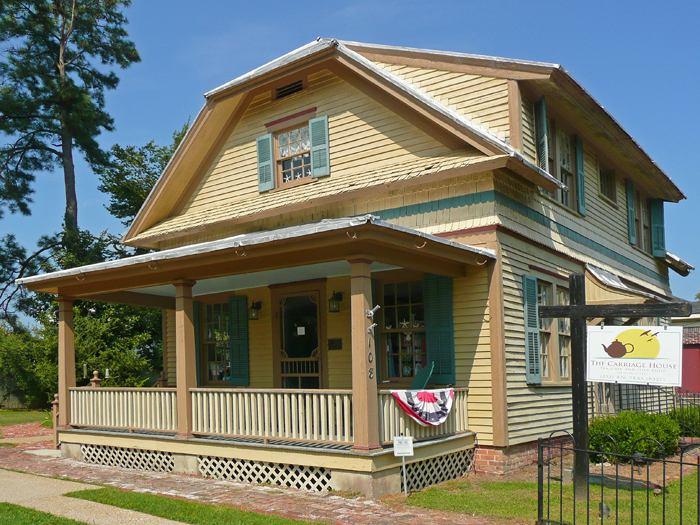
column 234, row 260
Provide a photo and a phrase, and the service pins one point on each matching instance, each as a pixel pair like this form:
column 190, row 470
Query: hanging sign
column 635, row 355
column 403, row 446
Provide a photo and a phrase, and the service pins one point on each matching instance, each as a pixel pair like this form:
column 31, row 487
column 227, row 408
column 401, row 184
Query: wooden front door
column 299, row 340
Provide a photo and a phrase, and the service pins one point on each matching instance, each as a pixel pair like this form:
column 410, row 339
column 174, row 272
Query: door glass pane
column 299, row 326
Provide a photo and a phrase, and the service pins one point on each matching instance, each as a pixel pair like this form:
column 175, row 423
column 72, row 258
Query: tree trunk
column 71, row 216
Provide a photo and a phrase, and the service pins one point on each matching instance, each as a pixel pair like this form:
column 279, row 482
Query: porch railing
column 131, row 408
column 393, row 421
column 297, row 415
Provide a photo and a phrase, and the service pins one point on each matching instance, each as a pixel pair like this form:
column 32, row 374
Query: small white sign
column 301, row 330
column 403, row 446
column 635, row 355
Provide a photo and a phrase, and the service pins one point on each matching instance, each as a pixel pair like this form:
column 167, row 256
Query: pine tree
column 56, row 62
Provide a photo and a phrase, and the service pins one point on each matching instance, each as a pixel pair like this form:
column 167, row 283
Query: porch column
column 66, row 359
column 364, row 359
column 185, row 358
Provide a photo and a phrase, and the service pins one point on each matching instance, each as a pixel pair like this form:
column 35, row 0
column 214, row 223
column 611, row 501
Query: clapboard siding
column 483, row 100
column 169, row 363
column 528, row 130
column 339, row 327
column 604, row 224
column 533, row 411
column 440, row 221
column 260, row 339
column 363, row 134
column 473, row 349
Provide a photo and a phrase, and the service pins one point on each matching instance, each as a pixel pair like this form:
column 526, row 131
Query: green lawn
column 517, row 501
column 14, row 417
column 181, row 510
column 15, row 515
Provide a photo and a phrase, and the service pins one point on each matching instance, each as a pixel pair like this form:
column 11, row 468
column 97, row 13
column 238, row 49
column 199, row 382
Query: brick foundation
column 502, row 460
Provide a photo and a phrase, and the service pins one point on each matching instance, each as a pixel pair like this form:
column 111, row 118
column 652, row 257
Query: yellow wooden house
column 456, row 192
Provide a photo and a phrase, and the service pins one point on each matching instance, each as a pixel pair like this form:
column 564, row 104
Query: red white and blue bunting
column 426, row 407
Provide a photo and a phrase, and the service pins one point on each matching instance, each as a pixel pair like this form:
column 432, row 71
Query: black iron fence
column 639, row 488
column 683, row 405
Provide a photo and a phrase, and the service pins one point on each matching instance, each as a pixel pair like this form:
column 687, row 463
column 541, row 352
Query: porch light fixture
column 334, row 302
column 254, row 309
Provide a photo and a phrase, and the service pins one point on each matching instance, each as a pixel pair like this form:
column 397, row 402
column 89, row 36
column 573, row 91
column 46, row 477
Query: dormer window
column 293, row 155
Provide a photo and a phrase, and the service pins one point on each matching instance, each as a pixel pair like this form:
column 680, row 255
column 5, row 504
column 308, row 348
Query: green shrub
column 627, row 428
column 689, row 420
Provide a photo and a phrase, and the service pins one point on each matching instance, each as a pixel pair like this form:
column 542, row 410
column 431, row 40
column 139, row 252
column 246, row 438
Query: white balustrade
column 296, row 415
column 393, row 421
column 131, row 408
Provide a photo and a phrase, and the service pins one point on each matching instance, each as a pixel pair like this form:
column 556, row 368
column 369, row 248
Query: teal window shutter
column 320, row 157
column 197, row 343
column 631, row 227
column 533, row 367
column 238, row 339
column 439, row 327
column 658, row 237
column 266, row 163
column 541, row 131
column 580, row 177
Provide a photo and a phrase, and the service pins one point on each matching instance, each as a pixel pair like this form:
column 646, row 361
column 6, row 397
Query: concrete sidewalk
column 46, row 494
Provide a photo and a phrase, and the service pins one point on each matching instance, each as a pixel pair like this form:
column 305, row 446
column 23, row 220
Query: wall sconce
column 334, row 302
column 254, row 310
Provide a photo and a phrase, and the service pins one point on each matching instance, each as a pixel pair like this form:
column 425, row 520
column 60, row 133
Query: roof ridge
column 453, row 54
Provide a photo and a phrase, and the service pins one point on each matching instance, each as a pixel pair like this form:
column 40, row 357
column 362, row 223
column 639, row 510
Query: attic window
column 289, row 89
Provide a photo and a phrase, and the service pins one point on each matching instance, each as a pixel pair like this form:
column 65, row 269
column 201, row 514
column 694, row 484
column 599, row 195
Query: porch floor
column 258, row 442
column 229, row 440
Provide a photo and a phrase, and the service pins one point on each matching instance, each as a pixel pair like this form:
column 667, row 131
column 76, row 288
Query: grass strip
column 15, row 417
column 11, row 514
column 8, row 444
column 181, row 510
column 517, row 500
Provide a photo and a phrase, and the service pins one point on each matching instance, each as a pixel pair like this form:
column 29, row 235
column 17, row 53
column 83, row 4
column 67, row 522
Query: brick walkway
column 264, row 499
column 24, row 430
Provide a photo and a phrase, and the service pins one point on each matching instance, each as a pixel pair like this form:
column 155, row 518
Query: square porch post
column 364, row 363
column 66, row 359
column 185, row 358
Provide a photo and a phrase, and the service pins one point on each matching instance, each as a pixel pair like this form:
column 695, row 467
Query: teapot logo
column 635, row 343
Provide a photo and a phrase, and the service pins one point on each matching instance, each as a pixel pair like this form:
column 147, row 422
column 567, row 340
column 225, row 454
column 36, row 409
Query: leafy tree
column 133, row 172
column 29, row 361
column 56, row 58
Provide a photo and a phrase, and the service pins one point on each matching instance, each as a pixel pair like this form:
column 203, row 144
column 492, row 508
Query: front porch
column 302, row 439
column 228, row 414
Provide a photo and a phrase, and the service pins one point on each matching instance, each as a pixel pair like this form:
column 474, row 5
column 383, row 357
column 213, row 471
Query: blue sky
column 641, row 60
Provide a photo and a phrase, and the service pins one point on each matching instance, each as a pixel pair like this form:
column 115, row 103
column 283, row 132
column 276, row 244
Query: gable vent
column 289, row 89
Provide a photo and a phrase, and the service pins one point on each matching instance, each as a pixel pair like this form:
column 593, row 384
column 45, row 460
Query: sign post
column 578, row 312
column 403, row 447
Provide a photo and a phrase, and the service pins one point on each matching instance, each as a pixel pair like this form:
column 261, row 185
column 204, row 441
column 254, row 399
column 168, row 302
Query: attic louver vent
column 289, row 89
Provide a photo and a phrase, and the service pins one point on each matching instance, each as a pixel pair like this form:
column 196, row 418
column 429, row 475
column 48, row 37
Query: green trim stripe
column 505, row 200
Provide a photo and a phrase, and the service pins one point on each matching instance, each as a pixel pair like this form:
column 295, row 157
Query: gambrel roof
column 353, row 62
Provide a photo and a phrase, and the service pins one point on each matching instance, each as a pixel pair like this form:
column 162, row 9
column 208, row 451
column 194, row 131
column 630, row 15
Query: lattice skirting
column 431, row 471
column 297, row 476
column 128, row 458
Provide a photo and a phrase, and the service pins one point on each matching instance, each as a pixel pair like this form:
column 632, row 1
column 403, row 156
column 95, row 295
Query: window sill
column 294, row 184
column 554, row 384
column 609, row 201
column 558, row 204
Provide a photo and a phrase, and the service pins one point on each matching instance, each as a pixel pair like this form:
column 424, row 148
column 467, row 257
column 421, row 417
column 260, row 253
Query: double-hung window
column 561, row 154
column 293, row 156
column 547, row 340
